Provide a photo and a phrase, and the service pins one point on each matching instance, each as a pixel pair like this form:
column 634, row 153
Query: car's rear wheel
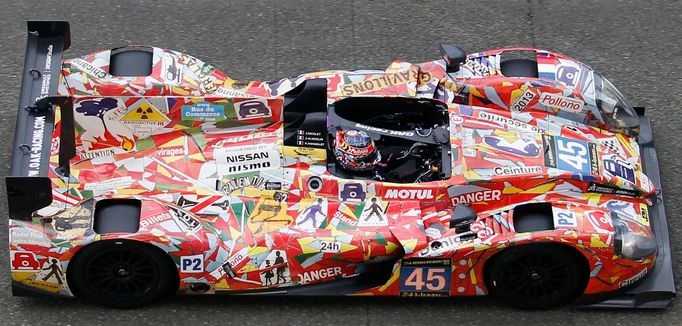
column 537, row 276
column 122, row 273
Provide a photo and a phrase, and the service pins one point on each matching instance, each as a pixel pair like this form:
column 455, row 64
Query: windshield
column 615, row 109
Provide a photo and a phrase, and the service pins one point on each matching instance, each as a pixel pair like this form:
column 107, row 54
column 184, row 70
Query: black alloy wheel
column 122, row 274
column 537, row 276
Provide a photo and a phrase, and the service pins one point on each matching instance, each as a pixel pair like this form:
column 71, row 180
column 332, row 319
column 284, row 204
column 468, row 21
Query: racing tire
column 537, row 276
column 122, row 274
column 519, row 68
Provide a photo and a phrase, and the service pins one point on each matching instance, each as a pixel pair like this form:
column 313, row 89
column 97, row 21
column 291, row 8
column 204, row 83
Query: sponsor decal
column 111, row 184
column 594, row 158
column 517, row 170
column 222, row 91
column 228, row 267
column 561, row 102
column 273, row 186
column 320, row 274
column 36, row 152
column 155, row 219
column 26, row 236
column 523, row 101
column 171, row 151
column 48, row 57
column 409, row 194
column 483, row 231
column 185, row 220
column 239, row 139
column 252, row 109
column 564, row 218
column 644, row 215
column 47, row 74
column 203, row 111
column 634, row 279
column 250, row 158
column 607, row 189
column 509, row 123
column 385, row 131
column 43, row 285
column 202, row 71
column 473, row 196
column 477, row 67
column 88, row 68
column 230, row 185
column 385, row 81
column 238, row 258
column 548, row 149
column 442, row 245
column 192, row 264
column 425, row 277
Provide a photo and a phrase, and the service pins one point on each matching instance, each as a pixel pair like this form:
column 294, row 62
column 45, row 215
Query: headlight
column 629, row 244
column 616, row 111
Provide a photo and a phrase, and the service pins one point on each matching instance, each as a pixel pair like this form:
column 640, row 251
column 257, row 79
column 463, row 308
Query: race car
column 140, row 172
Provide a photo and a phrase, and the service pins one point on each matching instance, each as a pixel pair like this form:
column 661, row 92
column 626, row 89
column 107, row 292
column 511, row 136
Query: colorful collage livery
column 140, row 172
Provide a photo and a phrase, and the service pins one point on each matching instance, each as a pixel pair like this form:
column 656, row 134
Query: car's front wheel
column 537, row 276
column 122, row 273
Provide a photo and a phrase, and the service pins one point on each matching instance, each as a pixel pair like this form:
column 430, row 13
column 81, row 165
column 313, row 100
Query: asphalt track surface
column 635, row 44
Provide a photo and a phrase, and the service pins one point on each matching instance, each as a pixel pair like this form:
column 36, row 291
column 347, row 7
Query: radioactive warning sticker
column 143, row 119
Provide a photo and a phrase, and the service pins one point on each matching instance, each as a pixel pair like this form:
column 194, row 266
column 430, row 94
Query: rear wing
column 28, row 185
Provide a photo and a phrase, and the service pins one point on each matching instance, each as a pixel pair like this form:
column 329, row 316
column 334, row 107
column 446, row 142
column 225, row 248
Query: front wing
column 658, row 288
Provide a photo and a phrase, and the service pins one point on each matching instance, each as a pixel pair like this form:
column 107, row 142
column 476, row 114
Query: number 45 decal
column 433, row 281
column 429, row 277
column 571, row 155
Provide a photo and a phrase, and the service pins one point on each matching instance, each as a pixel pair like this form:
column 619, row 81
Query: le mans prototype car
column 141, row 172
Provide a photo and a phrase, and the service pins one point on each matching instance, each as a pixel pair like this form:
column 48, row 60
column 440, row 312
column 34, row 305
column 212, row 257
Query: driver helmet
column 355, row 150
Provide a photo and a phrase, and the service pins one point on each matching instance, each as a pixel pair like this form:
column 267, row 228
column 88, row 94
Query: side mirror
column 453, row 56
column 462, row 216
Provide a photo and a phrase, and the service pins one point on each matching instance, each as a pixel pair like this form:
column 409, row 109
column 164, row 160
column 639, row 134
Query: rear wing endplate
column 28, row 185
